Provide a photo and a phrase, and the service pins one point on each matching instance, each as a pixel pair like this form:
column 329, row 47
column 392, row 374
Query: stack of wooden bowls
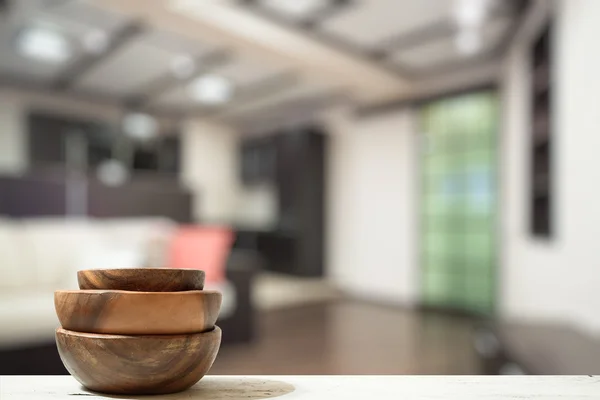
column 138, row 331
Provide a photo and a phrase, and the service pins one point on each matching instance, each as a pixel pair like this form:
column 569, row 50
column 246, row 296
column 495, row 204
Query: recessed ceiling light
column 296, row 8
column 182, row 66
column 96, row 41
column 211, row 89
column 43, row 44
column 140, row 126
column 468, row 41
column 471, row 13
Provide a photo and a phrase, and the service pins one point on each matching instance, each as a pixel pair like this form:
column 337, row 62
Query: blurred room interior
column 376, row 186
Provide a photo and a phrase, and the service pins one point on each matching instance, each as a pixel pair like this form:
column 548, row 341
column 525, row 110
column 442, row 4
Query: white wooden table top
column 330, row 387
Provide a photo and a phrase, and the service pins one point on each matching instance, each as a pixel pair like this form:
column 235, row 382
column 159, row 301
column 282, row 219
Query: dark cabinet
column 294, row 163
column 541, row 142
column 258, row 160
column 50, row 137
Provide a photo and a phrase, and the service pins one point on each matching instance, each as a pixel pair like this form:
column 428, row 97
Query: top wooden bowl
column 141, row 279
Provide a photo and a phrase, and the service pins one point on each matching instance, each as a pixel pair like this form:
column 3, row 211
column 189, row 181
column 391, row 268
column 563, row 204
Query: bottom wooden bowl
column 137, row 364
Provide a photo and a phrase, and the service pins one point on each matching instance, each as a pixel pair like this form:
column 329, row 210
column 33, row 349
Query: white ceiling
column 294, row 10
column 73, row 19
column 147, row 57
column 86, row 15
column 443, row 51
column 138, row 63
column 301, row 90
column 244, row 71
column 247, row 70
column 369, row 23
column 131, row 67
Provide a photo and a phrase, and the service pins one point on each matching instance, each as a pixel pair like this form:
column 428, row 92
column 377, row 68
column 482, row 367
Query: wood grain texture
column 138, row 364
column 137, row 313
column 142, row 279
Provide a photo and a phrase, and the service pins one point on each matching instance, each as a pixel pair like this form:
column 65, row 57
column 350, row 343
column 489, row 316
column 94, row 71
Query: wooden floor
column 353, row 338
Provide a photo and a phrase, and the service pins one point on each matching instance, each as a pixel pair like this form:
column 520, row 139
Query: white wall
column 13, row 144
column 371, row 218
column 557, row 279
column 210, row 167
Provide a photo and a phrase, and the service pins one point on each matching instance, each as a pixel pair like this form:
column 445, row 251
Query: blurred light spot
column 471, row 13
column 43, row 44
column 182, row 66
column 112, row 173
column 140, row 126
column 211, row 89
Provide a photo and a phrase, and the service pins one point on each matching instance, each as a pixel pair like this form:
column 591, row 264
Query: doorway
column 458, row 160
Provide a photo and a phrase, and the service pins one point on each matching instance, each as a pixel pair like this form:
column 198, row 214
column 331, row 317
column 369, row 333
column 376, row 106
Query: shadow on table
column 226, row 388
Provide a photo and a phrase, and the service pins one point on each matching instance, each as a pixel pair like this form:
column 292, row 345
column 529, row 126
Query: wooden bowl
column 141, row 279
column 121, row 312
column 137, row 364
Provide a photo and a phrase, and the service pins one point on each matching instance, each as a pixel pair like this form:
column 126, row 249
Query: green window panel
column 459, row 201
column 436, row 165
column 479, row 290
column 436, row 225
column 438, row 244
column 436, row 207
column 480, row 264
column 456, row 293
column 436, row 287
column 479, row 244
column 479, row 222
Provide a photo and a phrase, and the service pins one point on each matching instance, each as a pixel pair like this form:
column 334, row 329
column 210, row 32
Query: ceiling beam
column 417, row 37
column 21, row 84
column 163, row 84
column 521, row 8
column 332, row 8
column 263, row 88
column 235, row 28
column 332, row 41
column 84, row 64
column 299, row 111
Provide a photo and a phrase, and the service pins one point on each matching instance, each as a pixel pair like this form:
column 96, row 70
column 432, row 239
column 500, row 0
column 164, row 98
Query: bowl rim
column 195, row 271
column 108, row 336
column 136, row 293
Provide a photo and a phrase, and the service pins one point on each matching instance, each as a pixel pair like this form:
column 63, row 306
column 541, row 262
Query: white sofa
column 40, row 256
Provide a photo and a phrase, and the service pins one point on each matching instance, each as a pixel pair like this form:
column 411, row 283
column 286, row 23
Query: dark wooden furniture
column 140, row 197
column 294, row 163
column 540, row 196
column 32, row 196
column 258, row 161
column 50, row 135
column 56, row 175
column 37, row 195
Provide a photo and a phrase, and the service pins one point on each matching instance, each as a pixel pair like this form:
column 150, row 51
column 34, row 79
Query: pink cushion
column 205, row 248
